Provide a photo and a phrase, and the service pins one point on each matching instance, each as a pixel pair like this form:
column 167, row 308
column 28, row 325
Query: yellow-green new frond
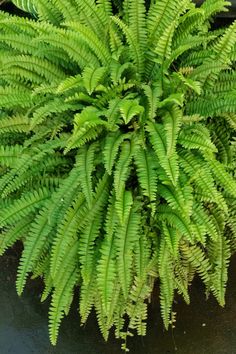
column 211, row 7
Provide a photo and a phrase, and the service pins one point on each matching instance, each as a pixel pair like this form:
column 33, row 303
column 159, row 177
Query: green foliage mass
column 117, row 155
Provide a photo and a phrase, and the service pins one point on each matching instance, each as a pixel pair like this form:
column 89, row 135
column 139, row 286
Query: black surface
column 202, row 327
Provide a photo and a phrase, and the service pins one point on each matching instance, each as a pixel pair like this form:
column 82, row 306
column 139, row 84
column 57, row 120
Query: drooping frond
column 167, row 283
column 112, row 144
column 106, row 265
column 147, row 172
column 123, row 168
column 169, row 164
column 126, row 236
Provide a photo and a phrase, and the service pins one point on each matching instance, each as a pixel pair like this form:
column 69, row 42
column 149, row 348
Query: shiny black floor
column 201, row 328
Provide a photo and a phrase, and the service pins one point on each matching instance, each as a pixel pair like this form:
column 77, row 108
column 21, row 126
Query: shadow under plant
column 202, row 328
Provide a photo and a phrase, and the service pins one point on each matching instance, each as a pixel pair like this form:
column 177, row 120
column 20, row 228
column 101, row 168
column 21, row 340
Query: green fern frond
column 193, row 19
column 23, row 206
column 134, row 45
column 85, row 163
column 224, row 178
column 172, row 239
column 129, row 109
column 69, row 43
column 126, row 237
column 169, row 164
column 42, row 67
column 225, row 44
column 211, row 7
column 69, row 83
column 175, row 198
column 69, row 227
column 197, row 258
column 152, row 94
column 88, row 294
column 67, row 9
column 123, row 206
column 202, row 178
column 92, row 77
column 26, row 5
column 111, row 148
column 50, row 108
column 59, row 304
column 176, row 220
column 93, row 41
column 147, row 172
column 209, row 108
column 202, row 218
column 197, row 137
column 137, row 24
column 9, row 155
column 94, row 15
column 172, row 124
column 86, row 246
column 221, row 249
column 106, row 267
column 14, row 124
column 86, row 127
column 163, row 47
column 167, row 283
column 105, row 8
column 123, row 168
column 33, row 246
column 46, row 11
column 13, row 98
column 14, row 233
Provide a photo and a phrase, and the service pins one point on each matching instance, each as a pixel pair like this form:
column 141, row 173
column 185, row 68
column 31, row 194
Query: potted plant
column 117, row 156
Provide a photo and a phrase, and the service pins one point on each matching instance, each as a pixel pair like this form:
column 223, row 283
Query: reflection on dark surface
column 201, row 328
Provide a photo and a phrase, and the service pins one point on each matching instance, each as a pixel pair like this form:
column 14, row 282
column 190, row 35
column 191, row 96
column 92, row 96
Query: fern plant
column 117, row 156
